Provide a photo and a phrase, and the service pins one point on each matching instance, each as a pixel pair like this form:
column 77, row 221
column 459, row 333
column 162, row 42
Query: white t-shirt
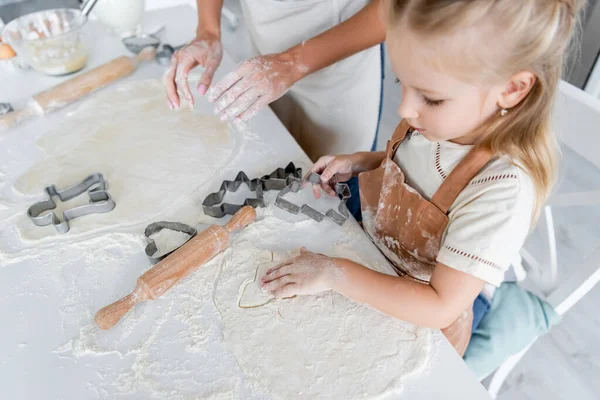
column 490, row 218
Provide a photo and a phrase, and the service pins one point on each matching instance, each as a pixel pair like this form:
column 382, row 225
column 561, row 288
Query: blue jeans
column 481, row 306
column 353, row 202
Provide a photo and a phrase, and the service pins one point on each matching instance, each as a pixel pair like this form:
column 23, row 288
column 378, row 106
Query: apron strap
column 399, row 134
column 460, row 177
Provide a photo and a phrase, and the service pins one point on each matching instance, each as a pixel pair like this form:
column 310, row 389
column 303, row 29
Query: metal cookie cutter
column 100, row 202
column 213, row 204
column 338, row 216
column 156, row 227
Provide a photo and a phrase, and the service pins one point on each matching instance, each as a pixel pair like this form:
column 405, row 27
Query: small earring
column 503, row 112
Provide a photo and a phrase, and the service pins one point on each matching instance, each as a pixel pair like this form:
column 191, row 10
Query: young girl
column 463, row 178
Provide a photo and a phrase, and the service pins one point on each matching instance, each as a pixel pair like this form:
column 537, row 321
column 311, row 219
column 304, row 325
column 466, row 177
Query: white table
column 29, row 335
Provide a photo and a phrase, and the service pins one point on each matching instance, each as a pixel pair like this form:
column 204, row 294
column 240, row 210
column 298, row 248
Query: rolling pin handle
column 108, row 317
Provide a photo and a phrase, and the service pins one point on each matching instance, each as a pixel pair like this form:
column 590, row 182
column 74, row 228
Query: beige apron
column 334, row 110
column 406, row 227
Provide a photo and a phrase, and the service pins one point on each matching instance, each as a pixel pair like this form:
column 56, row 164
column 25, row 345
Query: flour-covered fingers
column 169, row 82
column 332, row 169
column 287, row 291
column 253, row 109
column 317, row 168
column 223, row 85
column 328, row 180
column 320, row 165
column 185, row 64
column 277, row 283
column 241, row 104
column 277, row 267
column 278, row 271
column 233, row 93
column 207, row 76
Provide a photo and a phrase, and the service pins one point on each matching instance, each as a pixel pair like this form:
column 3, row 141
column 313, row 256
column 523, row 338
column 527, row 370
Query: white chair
column 577, row 122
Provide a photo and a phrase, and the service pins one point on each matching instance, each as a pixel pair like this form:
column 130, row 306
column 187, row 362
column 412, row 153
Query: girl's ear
column 517, row 87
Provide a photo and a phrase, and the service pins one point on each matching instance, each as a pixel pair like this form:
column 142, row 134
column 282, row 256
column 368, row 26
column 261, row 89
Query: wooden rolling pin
column 72, row 90
column 164, row 275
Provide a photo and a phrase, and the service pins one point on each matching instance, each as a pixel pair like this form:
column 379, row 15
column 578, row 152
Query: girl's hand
column 333, row 169
column 205, row 50
column 253, row 85
column 309, row 273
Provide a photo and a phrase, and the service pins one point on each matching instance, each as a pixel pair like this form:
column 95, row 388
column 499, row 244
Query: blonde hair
column 535, row 35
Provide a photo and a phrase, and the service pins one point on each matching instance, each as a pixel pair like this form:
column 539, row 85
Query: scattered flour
column 196, row 341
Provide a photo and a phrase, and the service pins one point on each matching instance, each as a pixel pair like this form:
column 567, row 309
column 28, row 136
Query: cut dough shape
column 251, row 294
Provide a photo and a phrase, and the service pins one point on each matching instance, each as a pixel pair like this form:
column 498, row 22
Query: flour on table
column 334, row 347
column 152, row 157
column 195, row 341
column 161, row 349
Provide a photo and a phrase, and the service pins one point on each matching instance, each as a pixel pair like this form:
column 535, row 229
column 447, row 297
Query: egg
column 6, row 52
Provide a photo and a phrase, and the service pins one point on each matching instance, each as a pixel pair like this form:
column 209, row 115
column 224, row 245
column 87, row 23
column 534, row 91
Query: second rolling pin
column 164, row 275
column 72, row 90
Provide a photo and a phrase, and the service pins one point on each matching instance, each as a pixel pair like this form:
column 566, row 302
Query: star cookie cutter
column 277, row 180
column 100, row 202
column 338, row 216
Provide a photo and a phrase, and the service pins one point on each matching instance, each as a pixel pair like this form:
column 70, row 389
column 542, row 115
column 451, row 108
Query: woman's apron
column 334, row 110
column 407, row 228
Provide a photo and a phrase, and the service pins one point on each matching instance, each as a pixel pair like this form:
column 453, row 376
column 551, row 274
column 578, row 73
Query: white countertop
column 29, row 364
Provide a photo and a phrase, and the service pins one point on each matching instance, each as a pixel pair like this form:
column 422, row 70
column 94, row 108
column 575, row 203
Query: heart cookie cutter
column 158, row 226
column 100, row 202
column 338, row 216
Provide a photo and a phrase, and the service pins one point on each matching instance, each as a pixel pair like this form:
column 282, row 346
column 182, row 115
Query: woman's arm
column 261, row 80
column 435, row 305
column 209, row 17
column 361, row 31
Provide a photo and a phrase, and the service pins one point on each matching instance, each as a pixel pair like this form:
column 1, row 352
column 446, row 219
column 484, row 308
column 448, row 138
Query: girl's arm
column 435, row 305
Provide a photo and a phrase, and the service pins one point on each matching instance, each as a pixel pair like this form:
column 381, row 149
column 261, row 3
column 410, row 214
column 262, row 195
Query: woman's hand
column 206, row 50
column 254, row 84
column 309, row 273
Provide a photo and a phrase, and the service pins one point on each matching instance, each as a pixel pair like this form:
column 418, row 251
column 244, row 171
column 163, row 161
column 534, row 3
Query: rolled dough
column 152, row 157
